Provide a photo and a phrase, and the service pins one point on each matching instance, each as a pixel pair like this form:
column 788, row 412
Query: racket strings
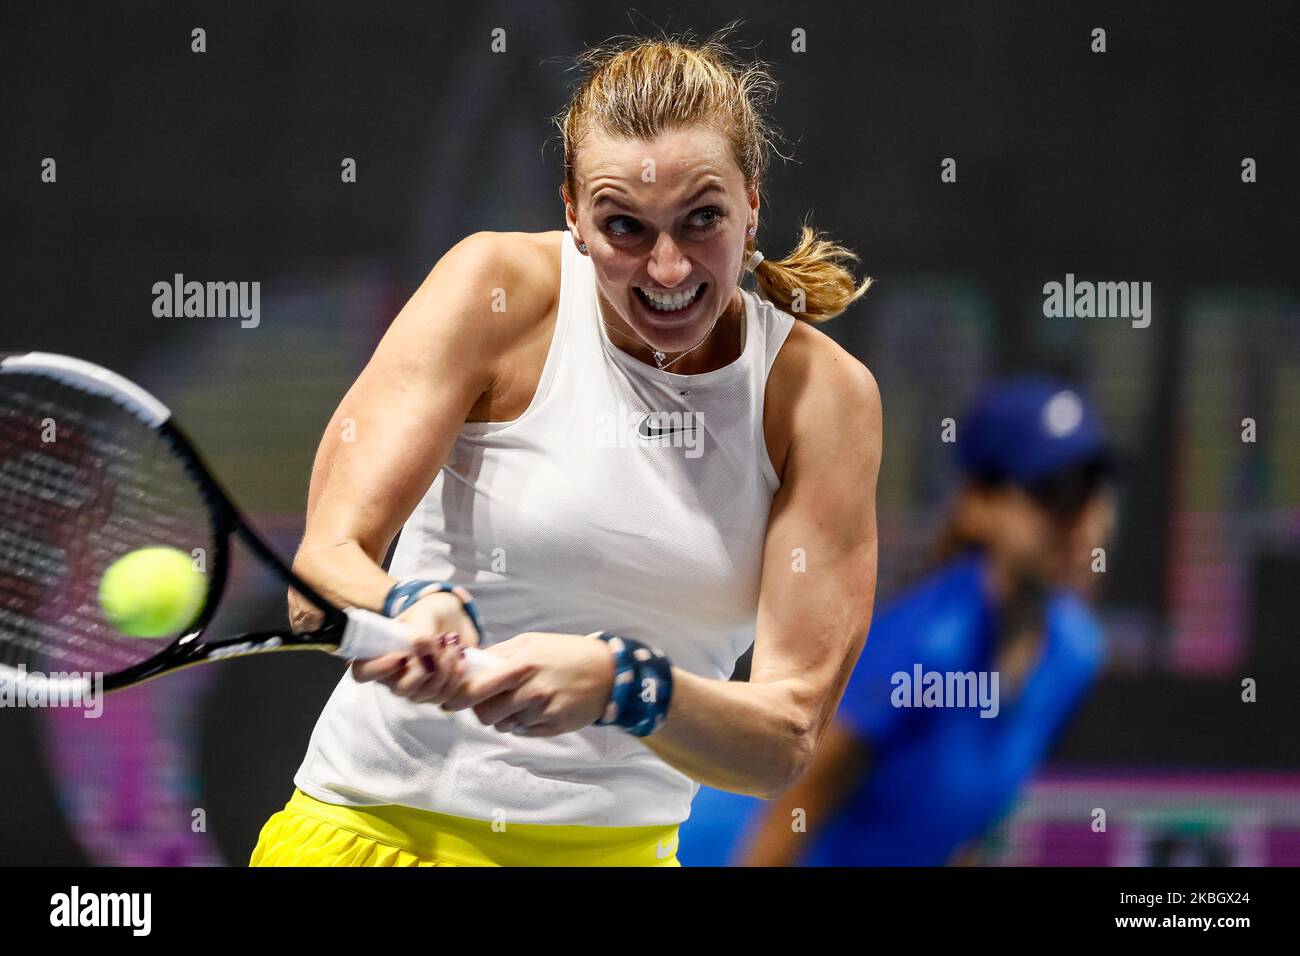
column 83, row 482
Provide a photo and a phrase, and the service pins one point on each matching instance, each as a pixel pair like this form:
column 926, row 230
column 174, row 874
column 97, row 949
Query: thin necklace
column 658, row 354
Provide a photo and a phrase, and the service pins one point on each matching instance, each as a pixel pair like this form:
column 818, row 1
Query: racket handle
column 369, row 635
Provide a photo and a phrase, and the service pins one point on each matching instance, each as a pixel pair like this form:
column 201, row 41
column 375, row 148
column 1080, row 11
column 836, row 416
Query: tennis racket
column 92, row 467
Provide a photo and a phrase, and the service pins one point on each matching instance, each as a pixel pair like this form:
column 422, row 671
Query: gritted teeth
column 672, row 302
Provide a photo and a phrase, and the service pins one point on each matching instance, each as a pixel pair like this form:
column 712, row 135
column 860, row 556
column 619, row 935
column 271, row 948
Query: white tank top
column 568, row 519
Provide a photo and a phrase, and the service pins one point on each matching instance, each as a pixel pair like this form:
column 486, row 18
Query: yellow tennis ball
column 152, row 592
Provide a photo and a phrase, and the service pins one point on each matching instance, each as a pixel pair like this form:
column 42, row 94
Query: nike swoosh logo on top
column 664, row 852
column 644, row 430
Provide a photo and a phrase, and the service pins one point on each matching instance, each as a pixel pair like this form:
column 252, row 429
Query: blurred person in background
column 893, row 783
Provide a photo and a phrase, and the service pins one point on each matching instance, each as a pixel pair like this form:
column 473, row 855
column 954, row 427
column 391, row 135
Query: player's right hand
column 433, row 669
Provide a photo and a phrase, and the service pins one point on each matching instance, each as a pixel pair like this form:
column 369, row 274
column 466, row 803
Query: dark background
column 1121, row 166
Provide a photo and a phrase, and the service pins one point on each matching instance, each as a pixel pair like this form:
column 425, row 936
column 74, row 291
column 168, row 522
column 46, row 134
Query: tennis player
column 615, row 469
column 899, row 784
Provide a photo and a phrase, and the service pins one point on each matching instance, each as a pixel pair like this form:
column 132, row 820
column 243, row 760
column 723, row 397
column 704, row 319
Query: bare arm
column 817, row 591
column 394, row 428
column 839, row 764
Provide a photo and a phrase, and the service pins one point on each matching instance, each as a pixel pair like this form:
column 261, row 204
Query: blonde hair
column 638, row 88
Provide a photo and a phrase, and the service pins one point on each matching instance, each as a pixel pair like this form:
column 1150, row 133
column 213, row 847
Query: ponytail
column 811, row 283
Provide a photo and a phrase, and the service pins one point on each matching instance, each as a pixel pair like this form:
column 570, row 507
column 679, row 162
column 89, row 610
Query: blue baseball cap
column 1028, row 429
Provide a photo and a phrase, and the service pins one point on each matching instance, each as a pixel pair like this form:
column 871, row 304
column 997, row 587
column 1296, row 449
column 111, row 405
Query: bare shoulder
column 490, row 293
column 488, row 303
column 513, row 276
column 818, row 395
column 533, row 260
column 515, row 279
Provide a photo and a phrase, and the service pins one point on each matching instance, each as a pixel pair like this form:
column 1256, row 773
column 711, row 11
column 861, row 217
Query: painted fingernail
column 453, row 638
column 429, row 663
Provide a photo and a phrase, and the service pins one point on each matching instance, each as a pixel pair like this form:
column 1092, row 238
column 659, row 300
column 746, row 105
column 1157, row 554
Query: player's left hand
column 551, row 684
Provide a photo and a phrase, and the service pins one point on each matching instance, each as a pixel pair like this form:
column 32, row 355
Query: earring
column 753, row 230
column 582, row 247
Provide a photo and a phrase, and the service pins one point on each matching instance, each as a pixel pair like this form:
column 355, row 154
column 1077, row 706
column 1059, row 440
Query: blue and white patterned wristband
column 405, row 593
column 643, row 686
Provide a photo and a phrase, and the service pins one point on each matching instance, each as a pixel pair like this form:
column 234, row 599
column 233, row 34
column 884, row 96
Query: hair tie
column 755, row 258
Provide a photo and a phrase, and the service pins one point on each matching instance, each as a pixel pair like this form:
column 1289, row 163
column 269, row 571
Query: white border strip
column 95, row 379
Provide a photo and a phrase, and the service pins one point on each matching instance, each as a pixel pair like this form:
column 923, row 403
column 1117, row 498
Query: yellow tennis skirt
column 310, row 832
